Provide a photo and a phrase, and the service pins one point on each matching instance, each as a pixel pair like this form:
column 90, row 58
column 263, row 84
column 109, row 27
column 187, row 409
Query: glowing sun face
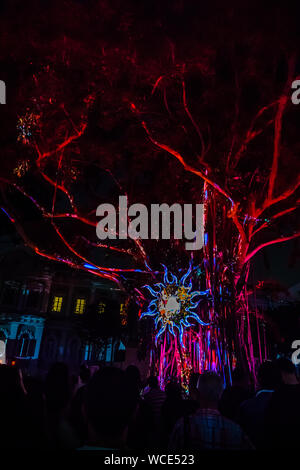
column 168, row 306
column 173, row 304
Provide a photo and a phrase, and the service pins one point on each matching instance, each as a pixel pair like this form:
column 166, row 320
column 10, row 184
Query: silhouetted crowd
column 111, row 409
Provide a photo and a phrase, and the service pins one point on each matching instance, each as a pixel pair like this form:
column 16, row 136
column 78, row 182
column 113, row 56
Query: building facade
column 39, row 306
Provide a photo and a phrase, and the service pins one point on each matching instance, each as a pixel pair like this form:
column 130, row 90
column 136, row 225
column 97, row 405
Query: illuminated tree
column 164, row 104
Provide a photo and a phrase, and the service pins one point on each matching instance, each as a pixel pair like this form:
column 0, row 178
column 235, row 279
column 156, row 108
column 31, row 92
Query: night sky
column 93, row 86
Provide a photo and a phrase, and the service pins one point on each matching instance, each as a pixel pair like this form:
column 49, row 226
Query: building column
column 69, row 304
column 38, row 337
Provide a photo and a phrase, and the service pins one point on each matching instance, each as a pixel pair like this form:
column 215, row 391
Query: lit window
column 80, row 306
column 123, row 313
column 101, row 308
column 57, row 304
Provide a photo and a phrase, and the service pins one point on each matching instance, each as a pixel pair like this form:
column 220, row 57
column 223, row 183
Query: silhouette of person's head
column 109, row 404
column 153, row 381
column 11, row 382
column 14, row 432
column 240, row 377
column 84, row 374
column 287, row 371
column 173, row 391
column 193, row 385
column 268, row 375
column 133, row 374
column 209, row 390
column 58, row 387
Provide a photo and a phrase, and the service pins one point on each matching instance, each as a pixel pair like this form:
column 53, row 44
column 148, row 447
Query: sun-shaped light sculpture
column 174, row 304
